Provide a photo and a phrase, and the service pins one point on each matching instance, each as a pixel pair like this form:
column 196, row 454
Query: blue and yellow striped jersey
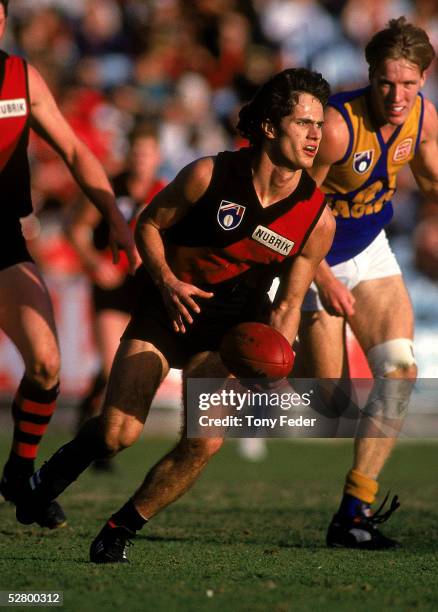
column 360, row 186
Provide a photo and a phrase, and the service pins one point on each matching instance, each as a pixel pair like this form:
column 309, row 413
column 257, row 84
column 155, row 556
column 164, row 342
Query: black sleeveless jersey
column 15, row 192
column 228, row 232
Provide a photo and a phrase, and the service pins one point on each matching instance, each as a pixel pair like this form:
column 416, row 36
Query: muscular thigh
column 26, row 313
column 321, row 350
column 138, row 370
column 383, row 311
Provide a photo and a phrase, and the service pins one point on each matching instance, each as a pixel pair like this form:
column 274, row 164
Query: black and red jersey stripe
column 200, row 250
column 15, row 191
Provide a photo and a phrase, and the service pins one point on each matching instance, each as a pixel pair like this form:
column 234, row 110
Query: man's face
column 297, row 138
column 394, row 88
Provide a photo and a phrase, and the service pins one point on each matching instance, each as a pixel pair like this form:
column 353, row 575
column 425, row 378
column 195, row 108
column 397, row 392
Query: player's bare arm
column 166, row 209
column 296, row 279
column 48, row 121
column 337, row 300
column 425, row 163
column 335, row 297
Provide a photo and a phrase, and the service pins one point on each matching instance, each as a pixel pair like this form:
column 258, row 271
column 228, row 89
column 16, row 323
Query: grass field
column 247, row 537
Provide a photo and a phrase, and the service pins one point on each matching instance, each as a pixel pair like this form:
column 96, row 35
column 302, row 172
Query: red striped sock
column 32, row 410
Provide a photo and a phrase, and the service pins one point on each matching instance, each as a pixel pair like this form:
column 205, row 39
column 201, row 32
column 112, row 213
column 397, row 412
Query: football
column 253, row 350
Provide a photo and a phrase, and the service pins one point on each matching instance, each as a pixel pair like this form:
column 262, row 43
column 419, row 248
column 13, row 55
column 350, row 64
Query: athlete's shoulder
column 429, row 128
column 193, row 180
column 321, row 238
column 341, row 98
column 326, row 223
column 336, row 140
column 199, row 169
column 203, row 168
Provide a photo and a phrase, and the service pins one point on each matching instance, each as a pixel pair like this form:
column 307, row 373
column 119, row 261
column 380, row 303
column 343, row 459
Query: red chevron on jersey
column 202, row 250
column 14, row 108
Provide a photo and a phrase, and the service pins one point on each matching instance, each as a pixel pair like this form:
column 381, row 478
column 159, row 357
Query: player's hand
column 180, row 301
column 337, row 300
column 121, row 237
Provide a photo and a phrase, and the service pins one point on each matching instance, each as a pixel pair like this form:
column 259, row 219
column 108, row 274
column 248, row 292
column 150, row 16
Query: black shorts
column 233, row 303
column 13, row 249
column 122, row 298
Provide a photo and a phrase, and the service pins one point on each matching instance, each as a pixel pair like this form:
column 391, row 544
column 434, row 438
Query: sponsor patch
column 272, row 240
column 13, row 108
column 362, row 161
column 403, row 150
column 230, row 215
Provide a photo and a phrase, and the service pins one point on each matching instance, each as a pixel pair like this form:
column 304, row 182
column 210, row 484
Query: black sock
column 68, row 462
column 17, row 467
column 127, row 517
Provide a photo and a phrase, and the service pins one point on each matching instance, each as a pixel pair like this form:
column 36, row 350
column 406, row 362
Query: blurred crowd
column 187, row 66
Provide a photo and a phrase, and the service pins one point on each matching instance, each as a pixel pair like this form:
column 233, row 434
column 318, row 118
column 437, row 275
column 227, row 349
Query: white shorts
column 376, row 261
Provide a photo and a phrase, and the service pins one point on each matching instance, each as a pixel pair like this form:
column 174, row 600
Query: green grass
column 248, row 537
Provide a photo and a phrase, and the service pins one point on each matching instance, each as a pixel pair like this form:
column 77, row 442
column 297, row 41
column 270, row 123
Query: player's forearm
column 323, row 274
column 150, row 246
column 92, row 179
column 286, row 318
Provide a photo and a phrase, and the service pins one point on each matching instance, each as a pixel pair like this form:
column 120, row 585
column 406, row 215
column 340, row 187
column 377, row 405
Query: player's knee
column 203, row 447
column 213, row 445
column 391, row 357
column 44, row 371
column 116, row 441
column 395, row 371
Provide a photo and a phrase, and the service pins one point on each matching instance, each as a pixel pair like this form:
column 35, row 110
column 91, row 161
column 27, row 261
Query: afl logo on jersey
column 230, row 215
column 362, row 161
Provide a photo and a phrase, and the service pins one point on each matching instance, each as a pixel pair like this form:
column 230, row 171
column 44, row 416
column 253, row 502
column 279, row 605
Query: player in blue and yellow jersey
column 211, row 243
column 369, row 135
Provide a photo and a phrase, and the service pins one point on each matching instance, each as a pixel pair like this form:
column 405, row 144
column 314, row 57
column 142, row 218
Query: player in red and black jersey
column 211, row 242
column 113, row 290
column 26, row 312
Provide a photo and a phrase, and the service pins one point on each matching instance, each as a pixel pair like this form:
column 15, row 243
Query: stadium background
column 188, row 66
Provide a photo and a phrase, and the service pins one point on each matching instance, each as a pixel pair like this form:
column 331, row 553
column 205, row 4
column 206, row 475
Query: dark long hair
column 277, row 98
